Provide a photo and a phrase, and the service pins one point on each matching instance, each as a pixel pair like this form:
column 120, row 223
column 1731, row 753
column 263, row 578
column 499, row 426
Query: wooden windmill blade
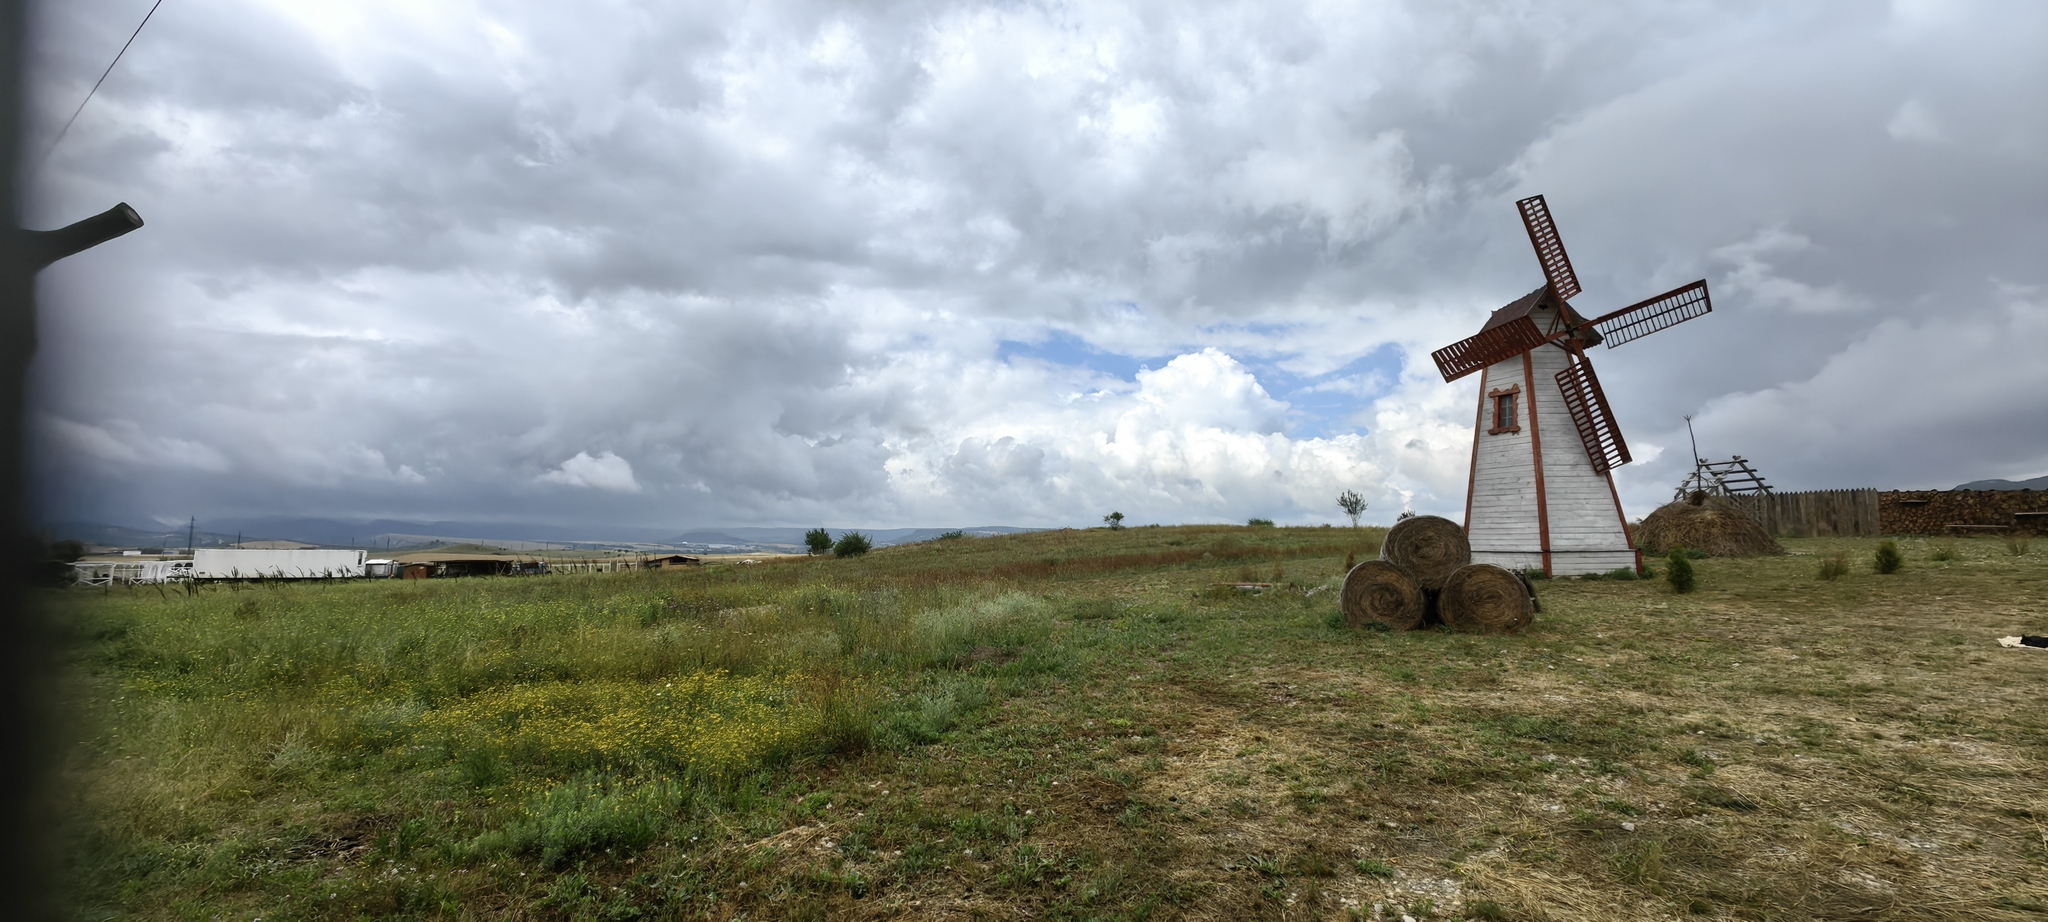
column 1661, row 312
column 1493, row 344
column 1590, row 412
column 1557, row 266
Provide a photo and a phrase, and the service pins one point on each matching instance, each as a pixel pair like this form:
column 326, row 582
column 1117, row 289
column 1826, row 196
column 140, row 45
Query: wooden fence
column 1815, row 513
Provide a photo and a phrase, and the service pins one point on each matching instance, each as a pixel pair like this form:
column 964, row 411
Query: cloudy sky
column 889, row 264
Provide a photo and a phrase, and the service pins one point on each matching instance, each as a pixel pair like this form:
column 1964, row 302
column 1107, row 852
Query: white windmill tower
column 1538, row 496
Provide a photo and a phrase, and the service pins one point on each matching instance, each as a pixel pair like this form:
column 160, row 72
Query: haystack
column 1428, row 548
column 1485, row 599
column 1377, row 591
column 1708, row 524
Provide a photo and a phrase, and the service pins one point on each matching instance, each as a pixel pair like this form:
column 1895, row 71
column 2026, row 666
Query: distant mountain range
column 2038, row 483
column 94, row 533
column 400, row 536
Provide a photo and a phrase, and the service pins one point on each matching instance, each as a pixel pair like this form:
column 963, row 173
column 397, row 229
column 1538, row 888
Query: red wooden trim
column 1627, row 533
column 1494, row 396
column 1536, row 451
column 1472, row 476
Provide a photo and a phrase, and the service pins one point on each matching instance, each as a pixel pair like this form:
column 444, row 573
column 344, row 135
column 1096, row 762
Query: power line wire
column 96, row 85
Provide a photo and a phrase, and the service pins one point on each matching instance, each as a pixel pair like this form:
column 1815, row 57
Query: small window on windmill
column 1504, row 409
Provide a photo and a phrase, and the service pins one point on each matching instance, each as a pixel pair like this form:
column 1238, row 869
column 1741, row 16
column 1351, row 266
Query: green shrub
column 1535, row 573
column 1679, row 574
column 953, row 536
column 818, row 540
column 852, row 544
column 1834, row 567
column 1942, row 552
column 1888, row 558
column 1260, row 523
column 1625, row 574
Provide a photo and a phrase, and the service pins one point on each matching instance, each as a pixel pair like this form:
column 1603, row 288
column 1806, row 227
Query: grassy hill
column 1068, row 724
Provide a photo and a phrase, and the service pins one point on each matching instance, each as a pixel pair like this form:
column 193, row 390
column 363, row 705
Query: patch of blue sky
column 1330, row 404
column 1063, row 348
column 1320, row 406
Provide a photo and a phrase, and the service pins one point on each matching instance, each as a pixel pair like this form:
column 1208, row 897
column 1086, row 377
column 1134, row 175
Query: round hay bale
column 1377, row 591
column 1708, row 524
column 1485, row 599
column 1428, row 548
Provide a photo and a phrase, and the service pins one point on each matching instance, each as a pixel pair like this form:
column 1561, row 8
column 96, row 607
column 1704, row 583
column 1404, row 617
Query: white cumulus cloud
column 603, row 471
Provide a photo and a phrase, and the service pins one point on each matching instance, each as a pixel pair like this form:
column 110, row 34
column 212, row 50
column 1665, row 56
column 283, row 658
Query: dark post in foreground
column 25, row 653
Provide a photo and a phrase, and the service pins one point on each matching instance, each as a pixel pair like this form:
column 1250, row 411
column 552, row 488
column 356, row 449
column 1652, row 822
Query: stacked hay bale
column 1425, row 576
column 1708, row 524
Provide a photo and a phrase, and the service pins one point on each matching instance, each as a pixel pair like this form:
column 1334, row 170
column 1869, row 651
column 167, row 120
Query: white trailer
column 109, row 572
column 236, row 563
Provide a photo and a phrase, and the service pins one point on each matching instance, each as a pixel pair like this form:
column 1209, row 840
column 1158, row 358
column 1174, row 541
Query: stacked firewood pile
column 1937, row 512
column 1425, row 576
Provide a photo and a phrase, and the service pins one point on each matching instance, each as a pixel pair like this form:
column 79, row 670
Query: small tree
column 1115, row 520
column 1352, row 504
column 818, row 541
column 852, row 544
column 1889, row 560
column 1679, row 573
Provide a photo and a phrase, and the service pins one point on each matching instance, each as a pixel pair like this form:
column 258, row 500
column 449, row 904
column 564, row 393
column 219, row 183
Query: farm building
column 672, row 561
column 452, row 565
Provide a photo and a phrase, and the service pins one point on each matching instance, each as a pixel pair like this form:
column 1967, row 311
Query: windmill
column 1537, row 498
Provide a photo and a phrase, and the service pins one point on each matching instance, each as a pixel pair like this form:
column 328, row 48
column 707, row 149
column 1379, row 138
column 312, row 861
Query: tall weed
column 1833, row 566
column 590, row 814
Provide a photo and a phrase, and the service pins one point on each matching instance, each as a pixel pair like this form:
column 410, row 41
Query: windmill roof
column 1516, row 309
column 1520, row 307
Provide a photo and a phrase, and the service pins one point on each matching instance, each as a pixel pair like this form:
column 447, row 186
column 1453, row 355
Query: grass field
column 1065, row 725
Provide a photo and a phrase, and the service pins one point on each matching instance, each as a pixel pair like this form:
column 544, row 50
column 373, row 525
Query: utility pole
column 191, row 529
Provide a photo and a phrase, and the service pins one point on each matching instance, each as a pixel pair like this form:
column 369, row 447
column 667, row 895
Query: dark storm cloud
column 623, row 263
